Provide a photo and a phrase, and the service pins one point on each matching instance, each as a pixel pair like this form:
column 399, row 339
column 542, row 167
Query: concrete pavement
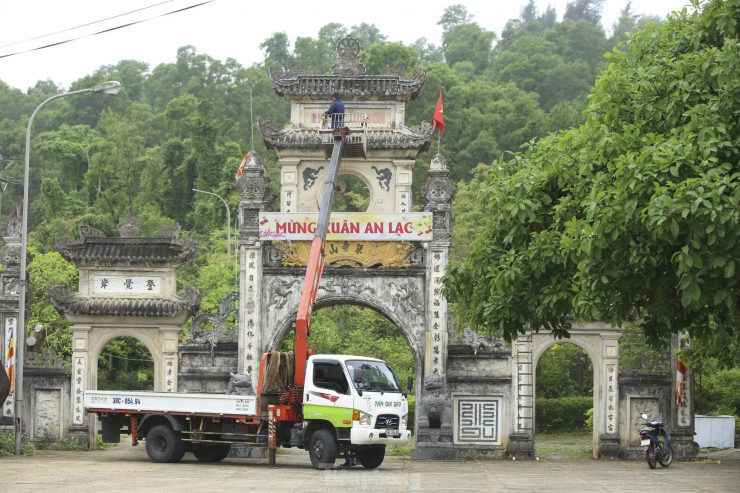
column 127, row 469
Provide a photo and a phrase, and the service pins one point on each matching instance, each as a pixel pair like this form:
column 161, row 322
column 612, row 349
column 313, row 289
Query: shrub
column 562, row 414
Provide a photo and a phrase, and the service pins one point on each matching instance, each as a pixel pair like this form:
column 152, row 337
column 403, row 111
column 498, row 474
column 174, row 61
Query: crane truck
column 330, row 405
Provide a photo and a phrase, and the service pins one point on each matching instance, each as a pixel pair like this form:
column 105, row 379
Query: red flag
column 681, row 371
column 439, row 119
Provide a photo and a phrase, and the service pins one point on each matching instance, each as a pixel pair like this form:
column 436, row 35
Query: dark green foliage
column 359, row 332
column 633, row 213
column 562, row 414
column 125, row 364
column 565, row 370
column 186, row 124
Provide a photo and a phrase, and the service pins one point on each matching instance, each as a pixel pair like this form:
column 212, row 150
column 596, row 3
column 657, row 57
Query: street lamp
column 111, row 88
column 228, row 222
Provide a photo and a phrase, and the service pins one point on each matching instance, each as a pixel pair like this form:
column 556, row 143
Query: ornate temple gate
column 400, row 280
column 127, row 287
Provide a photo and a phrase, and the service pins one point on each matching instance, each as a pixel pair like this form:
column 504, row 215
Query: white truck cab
column 360, row 404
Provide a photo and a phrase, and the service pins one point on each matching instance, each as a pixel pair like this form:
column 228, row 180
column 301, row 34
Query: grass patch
column 7, row 444
column 398, row 450
column 574, row 444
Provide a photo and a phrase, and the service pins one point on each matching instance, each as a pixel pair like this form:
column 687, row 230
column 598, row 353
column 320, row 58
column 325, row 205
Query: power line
column 107, row 30
column 88, row 24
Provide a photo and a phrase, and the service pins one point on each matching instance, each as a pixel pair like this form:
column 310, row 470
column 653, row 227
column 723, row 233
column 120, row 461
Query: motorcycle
column 655, row 451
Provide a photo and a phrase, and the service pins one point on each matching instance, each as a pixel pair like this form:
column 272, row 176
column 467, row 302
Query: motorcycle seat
column 655, row 423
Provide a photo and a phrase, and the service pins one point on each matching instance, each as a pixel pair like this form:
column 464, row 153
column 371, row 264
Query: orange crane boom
column 316, row 261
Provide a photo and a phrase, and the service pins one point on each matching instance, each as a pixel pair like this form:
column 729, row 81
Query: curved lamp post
column 228, row 222
column 111, row 88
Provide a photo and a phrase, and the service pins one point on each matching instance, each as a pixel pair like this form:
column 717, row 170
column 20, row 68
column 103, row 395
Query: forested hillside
column 186, row 124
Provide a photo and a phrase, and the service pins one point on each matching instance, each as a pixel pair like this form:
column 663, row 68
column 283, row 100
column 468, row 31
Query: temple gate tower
column 399, row 279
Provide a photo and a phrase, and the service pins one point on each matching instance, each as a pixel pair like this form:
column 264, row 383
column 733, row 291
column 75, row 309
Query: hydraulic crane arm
column 316, row 261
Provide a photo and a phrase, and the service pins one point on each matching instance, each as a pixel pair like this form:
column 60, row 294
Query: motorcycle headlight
column 365, row 418
column 404, row 421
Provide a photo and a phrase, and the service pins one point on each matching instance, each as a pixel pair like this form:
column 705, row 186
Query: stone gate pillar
column 609, row 441
column 682, row 414
column 10, row 258
column 437, row 194
column 257, row 196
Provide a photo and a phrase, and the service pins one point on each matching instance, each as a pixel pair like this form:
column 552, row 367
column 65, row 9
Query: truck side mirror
column 410, row 384
column 357, row 375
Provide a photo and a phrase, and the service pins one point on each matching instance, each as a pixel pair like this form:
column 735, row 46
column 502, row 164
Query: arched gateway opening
column 360, row 331
column 125, row 363
column 564, row 401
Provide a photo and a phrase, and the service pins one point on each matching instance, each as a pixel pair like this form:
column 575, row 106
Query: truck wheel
column 323, row 449
column 163, row 444
column 212, row 453
column 373, row 457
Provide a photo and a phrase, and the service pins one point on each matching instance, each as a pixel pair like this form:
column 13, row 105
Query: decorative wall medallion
column 477, row 420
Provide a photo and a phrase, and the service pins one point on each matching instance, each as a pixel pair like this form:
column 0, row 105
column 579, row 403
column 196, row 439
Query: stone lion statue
column 240, row 385
column 435, row 407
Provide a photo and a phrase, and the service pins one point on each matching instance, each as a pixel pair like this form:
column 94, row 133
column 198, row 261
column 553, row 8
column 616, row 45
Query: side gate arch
column 127, row 287
column 601, row 343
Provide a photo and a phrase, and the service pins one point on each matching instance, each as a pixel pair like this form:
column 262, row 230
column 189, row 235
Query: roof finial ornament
column 438, row 162
column 12, row 226
column 348, row 58
column 128, row 227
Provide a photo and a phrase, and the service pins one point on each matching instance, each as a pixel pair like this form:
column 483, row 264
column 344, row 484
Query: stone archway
column 398, row 296
column 579, row 341
column 601, row 343
column 127, row 287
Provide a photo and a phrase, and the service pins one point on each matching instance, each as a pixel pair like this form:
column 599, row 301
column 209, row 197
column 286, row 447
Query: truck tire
column 373, row 457
column 212, row 453
column 163, row 444
column 323, row 449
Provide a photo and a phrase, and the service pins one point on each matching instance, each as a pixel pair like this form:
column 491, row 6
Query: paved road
column 127, row 469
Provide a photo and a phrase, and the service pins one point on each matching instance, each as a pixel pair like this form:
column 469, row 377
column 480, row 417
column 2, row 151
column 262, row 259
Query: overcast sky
column 224, row 28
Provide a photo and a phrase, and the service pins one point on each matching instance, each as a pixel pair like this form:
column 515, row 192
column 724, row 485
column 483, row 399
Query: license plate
column 645, row 442
column 392, row 433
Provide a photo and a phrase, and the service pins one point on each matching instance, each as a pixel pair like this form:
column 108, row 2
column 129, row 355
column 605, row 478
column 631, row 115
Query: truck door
column 327, row 394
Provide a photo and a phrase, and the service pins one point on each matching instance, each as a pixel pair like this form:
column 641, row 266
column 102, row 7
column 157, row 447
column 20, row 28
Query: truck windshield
column 372, row 376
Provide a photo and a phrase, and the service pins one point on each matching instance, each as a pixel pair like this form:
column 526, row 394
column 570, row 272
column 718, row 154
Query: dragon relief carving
column 309, row 177
column 384, row 177
column 406, row 297
column 220, row 331
column 279, row 292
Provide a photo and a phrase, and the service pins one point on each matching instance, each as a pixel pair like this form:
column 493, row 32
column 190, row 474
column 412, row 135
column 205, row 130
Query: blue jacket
column 336, row 107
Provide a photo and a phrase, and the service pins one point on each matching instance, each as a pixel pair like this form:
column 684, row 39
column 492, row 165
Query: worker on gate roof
column 336, row 111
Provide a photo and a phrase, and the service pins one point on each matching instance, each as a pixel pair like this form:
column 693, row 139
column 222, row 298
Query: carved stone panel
column 47, row 422
column 477, row 420
column 637, row 407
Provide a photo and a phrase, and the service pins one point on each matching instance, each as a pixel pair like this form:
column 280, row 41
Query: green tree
column 454, row 15
column 634, row 213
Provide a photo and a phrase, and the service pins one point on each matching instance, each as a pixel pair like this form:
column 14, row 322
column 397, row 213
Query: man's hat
column 335, row 95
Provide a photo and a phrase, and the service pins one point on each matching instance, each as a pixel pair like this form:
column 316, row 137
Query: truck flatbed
column 165, row 402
